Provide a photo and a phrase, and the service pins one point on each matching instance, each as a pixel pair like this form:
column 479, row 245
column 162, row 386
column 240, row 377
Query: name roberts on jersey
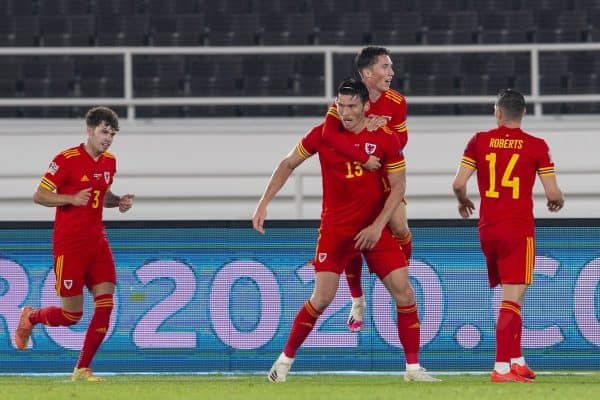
column 496, row 143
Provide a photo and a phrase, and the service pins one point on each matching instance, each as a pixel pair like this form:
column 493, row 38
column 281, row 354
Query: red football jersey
column 507, row 160
column 391, row 104
column 71, row 171
column 352, row 196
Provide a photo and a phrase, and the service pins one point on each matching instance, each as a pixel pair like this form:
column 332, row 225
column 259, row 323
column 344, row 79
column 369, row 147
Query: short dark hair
column 95, row 116
column 354, row 87
column 368, row 56
column 512, row 103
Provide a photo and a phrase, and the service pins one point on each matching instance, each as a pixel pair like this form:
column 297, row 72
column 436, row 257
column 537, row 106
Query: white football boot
column 280, row 368
column 357, row 313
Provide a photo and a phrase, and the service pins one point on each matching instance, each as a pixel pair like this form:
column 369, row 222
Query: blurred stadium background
column 213, row 94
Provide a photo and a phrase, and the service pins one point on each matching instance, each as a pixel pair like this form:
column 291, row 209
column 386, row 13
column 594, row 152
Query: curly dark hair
column 95, row 116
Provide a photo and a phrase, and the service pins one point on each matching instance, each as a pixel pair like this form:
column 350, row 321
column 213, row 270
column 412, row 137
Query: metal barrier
column 131, row 101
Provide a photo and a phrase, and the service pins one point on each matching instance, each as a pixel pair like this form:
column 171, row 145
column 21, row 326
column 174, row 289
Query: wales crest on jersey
column 370, row 148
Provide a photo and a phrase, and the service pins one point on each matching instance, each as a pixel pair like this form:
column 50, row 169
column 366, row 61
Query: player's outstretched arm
column 554, row 195
column 48, row 198
column 459, row 186
column 279, row 177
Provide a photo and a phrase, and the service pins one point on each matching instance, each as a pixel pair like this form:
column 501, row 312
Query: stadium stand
column 566, row 26
column 289, row 29
column 454, row 27
column 158, row 23
column 343, row 28
column 512, row 26
column 387, row 29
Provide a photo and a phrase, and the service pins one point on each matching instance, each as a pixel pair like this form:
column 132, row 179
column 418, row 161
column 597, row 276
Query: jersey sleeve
column 544, row 163
column 55, row 174
column 394, row 157
column 113, row 169
column 470, row 156
column 310, row 143
column 334, row 136
column 398, row 121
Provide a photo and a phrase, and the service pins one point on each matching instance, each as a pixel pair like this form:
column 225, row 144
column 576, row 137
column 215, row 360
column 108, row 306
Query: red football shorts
column 75, row 268
column 509, row 255
column 335, row 249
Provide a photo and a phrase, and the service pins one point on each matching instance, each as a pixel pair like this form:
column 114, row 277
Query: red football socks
column 508, row 330
column 54, row 316
column 103, row 306
column 301, row 328
column 409, row 331
column 515, row 350
column 353, row 275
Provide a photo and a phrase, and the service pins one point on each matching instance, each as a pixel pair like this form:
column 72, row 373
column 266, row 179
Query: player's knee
column 321, row 301
column 405, row 296
column 410, row 292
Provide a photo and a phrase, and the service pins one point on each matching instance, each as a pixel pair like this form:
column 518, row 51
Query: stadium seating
column 454, row 27
column 385, row 28
column 511, row 26
column 288, row 29
column 178, row 30
column 343, row 28
column 51, row 23
column 567, row 26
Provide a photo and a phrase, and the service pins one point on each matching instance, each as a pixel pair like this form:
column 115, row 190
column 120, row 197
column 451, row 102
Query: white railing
column 131, row 102
column 217, row 168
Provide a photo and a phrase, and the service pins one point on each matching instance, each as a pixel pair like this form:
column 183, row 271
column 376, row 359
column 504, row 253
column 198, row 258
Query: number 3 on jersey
column 96, row 201
column 507, row 180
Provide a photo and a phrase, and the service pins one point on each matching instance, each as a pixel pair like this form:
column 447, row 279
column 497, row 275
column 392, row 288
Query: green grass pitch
column 548, row 386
